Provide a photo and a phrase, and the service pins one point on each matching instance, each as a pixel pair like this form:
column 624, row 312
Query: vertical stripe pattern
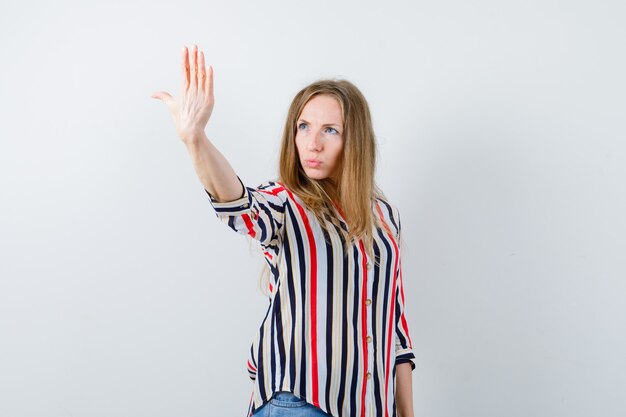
column 335, row 326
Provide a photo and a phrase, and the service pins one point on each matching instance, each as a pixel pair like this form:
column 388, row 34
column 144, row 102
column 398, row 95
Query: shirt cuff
column 240, row 205
column 406, row 355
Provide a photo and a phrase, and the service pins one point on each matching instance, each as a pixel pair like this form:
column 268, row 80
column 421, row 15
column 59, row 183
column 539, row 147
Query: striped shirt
column 335, row 325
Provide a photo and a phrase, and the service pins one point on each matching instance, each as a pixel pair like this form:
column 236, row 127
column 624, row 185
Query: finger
column 193, row 76
column 209, row 83
column 164, row 96
column 201, row 72
column 185, row 68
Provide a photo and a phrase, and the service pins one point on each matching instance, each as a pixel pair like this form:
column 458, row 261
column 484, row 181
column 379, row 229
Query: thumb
column 163, row 96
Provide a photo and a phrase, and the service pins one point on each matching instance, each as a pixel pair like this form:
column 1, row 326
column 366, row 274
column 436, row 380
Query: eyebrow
column 326, row 124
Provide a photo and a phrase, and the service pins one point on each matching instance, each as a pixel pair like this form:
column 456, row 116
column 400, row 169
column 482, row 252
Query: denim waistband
column 286, row 396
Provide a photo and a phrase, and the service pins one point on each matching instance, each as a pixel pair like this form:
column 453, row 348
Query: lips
column 313, row 163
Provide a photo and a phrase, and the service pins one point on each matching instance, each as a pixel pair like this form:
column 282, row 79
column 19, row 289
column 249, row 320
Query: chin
column 316, row 175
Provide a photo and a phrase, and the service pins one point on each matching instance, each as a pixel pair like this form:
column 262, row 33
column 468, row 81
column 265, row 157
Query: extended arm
column 213, row 169
column 191, row 111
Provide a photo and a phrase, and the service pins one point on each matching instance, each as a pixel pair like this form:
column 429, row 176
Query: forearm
column 213, row 169
column 404, row 390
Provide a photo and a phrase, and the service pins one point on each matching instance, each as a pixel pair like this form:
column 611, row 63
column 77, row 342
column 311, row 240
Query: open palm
column 192, row 109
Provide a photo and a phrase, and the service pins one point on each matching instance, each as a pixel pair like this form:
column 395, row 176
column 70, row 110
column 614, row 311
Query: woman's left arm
column 404, row 390
column 404, row 347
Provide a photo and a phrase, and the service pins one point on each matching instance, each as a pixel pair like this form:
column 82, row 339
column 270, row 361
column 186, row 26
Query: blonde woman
column 335, row 340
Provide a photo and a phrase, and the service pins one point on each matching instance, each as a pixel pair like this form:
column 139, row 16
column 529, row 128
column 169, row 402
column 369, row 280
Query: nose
column 315, row 144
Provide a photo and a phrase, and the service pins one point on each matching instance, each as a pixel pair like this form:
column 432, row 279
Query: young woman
column 335, row 339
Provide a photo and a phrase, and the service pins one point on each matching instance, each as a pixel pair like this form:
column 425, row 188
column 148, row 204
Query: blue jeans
column 285, row 404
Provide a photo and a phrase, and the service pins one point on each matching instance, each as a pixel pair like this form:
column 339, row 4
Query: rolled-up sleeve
column 258, row 213
column 404, row 346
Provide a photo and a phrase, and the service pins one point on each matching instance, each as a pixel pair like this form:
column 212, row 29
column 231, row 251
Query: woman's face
column 319, row 137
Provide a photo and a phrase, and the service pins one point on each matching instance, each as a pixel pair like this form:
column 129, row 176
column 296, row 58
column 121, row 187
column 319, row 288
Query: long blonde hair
column 356, row 188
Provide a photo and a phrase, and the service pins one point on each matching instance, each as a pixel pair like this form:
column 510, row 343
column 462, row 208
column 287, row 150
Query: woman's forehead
column 323, row 108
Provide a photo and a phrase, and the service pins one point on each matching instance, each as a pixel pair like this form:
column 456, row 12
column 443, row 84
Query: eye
column 333, row 129
column 300, row 125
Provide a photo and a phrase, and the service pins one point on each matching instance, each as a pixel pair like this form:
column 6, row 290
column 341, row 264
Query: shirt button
column 368, row 302
column 369, row 265
column 369, row 375
column 369, row 339
column 245, row 205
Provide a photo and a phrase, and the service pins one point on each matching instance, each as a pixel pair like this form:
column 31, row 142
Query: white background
column 502, row 142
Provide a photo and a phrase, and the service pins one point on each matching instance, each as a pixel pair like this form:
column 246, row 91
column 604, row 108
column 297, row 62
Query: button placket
column 368, row 302
column 369, row 317
column 369, row 340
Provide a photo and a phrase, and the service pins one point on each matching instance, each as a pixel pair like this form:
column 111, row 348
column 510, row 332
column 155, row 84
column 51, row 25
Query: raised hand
column 193, row 107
